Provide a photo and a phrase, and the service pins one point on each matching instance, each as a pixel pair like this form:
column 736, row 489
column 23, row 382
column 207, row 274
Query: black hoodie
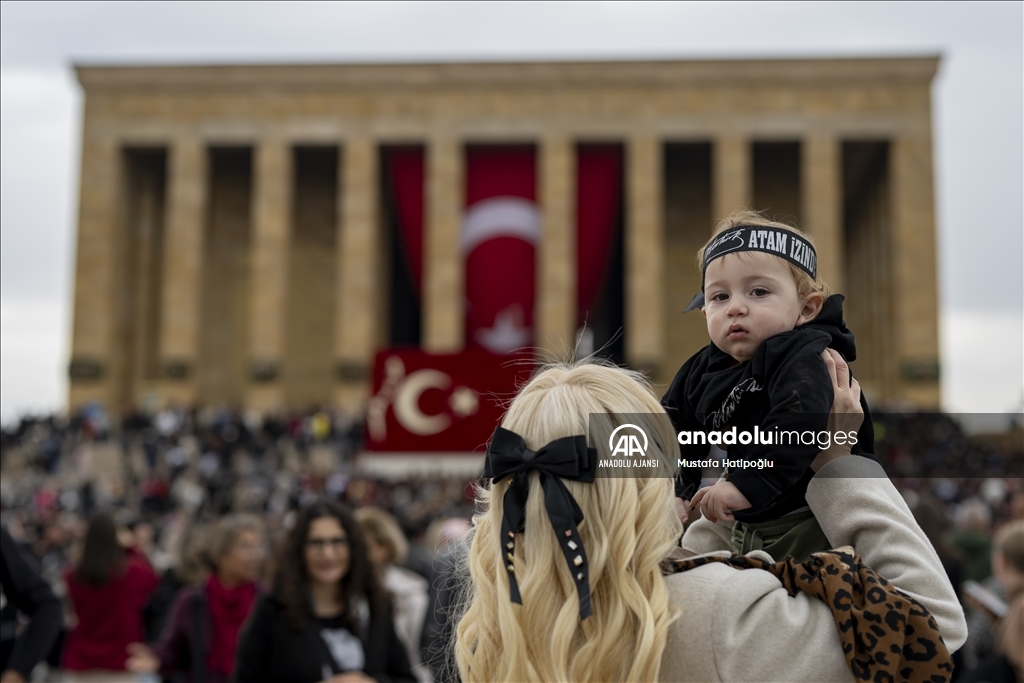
column 784, row 386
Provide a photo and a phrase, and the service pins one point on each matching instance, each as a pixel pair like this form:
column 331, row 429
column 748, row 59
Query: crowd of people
column 179, row 469
column 188, row 509
column 213, row 545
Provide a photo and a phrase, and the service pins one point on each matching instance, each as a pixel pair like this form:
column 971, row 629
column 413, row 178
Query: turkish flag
column 500, row 232
column 501, row 229
column 440, row 402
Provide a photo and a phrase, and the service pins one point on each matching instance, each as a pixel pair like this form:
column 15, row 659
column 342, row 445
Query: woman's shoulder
column 716, row 573
column 710, row 599
column 269, row 613
column 268, row 602
column 138, row 568
column 187, row 596
column 712, row 590
column 729, row 617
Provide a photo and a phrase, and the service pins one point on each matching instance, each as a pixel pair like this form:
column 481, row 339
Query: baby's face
column 748, row 297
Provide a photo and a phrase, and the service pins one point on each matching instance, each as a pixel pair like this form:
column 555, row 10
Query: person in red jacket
column 108, row 589
column 199, row 640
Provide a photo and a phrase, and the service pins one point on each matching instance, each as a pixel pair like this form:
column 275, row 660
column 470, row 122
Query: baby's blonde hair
column 805, row 284
column 629, row 525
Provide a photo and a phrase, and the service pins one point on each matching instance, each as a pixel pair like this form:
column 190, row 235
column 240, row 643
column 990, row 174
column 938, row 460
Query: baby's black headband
column 776, row 241
column 566, row 458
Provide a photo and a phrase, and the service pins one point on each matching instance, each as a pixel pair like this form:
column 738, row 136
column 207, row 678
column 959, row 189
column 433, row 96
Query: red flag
column 405, row 167
column 432, row 402
column 500, row 231
column 501, row 228
column 598, row 189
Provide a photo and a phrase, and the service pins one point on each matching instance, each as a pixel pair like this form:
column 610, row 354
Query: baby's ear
column 811, row 309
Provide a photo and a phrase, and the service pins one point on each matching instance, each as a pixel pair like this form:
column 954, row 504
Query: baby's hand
column 719, row 500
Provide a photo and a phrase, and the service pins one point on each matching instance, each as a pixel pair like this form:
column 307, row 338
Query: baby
column 769, row 318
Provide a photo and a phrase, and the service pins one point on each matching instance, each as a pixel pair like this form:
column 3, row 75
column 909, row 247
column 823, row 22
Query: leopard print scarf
column 886, row 634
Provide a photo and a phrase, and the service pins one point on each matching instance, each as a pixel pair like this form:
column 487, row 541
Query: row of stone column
column 356, row 333
column 359, row 283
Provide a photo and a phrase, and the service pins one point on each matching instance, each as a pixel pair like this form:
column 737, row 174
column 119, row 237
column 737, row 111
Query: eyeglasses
column 321, row 544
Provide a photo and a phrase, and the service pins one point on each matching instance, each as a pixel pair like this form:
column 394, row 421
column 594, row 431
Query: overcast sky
column 978, row 108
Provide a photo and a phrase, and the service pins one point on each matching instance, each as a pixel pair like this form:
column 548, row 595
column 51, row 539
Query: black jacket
column 29, row 592
column 784, row 386
column 270, row 650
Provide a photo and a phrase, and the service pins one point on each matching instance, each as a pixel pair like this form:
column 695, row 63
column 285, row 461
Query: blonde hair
column 192, row 563
column 1009, row 541
column 805, row 284
column 383, row 528
column 221, row 537
column 629, row 525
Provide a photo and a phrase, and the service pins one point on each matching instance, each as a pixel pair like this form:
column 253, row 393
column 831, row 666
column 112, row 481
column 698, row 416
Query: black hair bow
column 566, row 458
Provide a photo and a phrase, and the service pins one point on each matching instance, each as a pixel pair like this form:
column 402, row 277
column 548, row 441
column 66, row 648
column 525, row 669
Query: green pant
column 797, row 535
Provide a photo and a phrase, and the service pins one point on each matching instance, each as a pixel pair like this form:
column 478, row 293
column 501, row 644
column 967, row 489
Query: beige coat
column 743, row 625
column 409, row 598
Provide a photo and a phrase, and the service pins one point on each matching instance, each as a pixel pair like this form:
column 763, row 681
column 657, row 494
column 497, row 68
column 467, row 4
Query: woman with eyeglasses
column 327, row 619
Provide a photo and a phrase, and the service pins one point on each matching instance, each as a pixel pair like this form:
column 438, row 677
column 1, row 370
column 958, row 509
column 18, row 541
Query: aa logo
column 628, row 442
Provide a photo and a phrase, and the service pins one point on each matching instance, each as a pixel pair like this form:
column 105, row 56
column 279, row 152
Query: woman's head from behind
column 1008, row 555
column 385, row 541
column 235, row 549
column 628, row 527
column 102, row 554
column 326, row 547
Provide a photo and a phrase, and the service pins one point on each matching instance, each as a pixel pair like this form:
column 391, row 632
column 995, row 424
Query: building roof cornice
column 879, row 70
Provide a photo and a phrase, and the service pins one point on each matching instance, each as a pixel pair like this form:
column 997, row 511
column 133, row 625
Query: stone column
column 645, row 253
column 555, row 310
column 444, row 317
column 731, row 176
column 915, row 287
column 93, row 354
column 183, row 270
column 359, row 279
column 271, row 235
column 821, row 196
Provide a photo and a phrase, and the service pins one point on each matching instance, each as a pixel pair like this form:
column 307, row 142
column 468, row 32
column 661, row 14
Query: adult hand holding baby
column 847, row 413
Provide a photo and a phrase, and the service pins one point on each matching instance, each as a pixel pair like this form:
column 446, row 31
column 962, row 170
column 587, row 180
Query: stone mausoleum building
column 254, row 235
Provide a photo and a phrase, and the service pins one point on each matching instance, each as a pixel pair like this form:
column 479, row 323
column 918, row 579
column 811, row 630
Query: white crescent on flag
column 407, row 402
column 500, row 217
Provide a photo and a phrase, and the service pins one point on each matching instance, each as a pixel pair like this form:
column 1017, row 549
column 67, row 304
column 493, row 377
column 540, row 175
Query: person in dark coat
column 327, row 619
column 28, row 591
column 450, row 573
